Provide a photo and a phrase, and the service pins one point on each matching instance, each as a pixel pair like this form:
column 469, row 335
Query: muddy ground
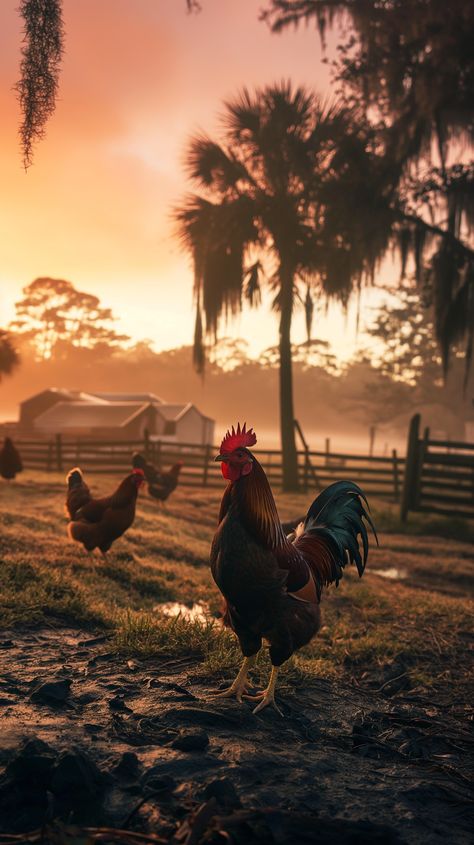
column 93, row 739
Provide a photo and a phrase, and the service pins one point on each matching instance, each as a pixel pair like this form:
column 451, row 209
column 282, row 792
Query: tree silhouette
column 52, row 311
column 411, row 63
column 273, row 208
column 9, row 358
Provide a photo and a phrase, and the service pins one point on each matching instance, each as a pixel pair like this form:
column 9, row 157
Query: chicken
column 78, row 493
column 99, row 522
column 162, row 488
column 10, row 460
column 160, row 484
column 271, row 585
column 152, row 474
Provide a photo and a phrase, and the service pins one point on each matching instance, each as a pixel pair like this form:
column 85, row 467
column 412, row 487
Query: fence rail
column 379, row 476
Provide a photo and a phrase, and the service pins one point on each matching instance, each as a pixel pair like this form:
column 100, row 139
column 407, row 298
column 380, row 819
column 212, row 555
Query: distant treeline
column 327, row 400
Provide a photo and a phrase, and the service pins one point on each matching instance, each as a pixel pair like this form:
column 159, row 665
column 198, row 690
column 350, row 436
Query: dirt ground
column 101, row 741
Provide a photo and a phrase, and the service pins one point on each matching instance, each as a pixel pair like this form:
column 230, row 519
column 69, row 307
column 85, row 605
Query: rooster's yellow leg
column 267, row 697
column 239, row 686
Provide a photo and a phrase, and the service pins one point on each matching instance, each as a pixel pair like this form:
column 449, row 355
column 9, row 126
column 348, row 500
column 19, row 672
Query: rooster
column 10, row 460
column 160, row 484
column 272, row 584
column 99, row 522
column 78, row 493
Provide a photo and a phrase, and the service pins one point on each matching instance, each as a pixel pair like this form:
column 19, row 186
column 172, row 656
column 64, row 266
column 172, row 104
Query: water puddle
column 393, row 573
column 198, row 612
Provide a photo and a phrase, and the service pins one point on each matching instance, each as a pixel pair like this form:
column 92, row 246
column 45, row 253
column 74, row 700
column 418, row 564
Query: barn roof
column 62, row 393
column 73, row 415
column 130, row 397
column 174, row 412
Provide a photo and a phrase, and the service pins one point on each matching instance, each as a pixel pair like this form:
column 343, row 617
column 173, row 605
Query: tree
column 407, row 350
column 9, row 358
column 411, row 63
column 273, row 209
column 52, row 312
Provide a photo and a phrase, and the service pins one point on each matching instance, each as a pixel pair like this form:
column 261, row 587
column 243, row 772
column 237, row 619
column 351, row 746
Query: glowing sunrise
column 137, row 80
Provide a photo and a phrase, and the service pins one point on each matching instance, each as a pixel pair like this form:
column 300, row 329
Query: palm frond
column 211, row 166
column 253, row 292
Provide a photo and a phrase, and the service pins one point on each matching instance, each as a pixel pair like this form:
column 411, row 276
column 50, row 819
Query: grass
column 419, row 622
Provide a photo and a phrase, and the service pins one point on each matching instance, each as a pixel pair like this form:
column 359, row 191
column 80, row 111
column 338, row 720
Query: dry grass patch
column 420, row 621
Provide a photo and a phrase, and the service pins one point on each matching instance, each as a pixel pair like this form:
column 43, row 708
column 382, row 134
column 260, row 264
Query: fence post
column 59, row 453
column 396, row 481
column 157, row 455
column 372, row 430
column 411, row 467
column 49, row 456
column 146, row 443
column 328, row 449
column 207, row 455
column 422, row 450
column 306, row 472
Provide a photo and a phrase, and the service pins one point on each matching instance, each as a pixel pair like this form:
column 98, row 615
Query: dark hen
column 160, row 484
column 10, row 460
column 99, row 522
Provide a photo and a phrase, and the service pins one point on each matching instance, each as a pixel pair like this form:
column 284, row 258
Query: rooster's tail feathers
column 74, row 477
column 337, row 516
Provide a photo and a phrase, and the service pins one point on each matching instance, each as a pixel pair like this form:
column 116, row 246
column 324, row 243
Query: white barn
column 113, row 416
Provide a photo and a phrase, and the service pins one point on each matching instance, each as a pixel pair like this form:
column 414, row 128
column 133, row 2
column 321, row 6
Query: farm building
column 30, row 409
column 113, row 416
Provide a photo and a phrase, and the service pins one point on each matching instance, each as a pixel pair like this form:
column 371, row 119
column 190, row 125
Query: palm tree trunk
column 287, row 428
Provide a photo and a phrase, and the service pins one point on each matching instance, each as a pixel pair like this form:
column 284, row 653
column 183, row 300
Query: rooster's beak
column 220, row 458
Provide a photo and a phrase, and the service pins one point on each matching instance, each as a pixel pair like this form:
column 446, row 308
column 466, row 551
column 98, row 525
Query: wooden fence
column 378, row 476
column 439, row 476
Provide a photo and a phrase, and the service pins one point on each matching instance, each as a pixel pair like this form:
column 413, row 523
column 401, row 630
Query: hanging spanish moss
column 308, row 313
column 38, row 86
column 199, row 353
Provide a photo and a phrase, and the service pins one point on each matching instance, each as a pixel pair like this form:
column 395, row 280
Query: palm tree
column 278, row 203
column 9, row 358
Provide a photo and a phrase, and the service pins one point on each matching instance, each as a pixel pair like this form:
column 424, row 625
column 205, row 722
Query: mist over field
column 341, row 406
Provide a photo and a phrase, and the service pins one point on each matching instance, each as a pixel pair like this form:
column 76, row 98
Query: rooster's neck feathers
column 253, row 498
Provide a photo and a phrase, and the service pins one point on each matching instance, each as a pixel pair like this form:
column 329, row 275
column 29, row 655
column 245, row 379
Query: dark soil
column 90, row 739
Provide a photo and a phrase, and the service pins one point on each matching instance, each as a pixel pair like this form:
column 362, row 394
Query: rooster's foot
column 232, row 691
column 267, row 698
column 239, row 687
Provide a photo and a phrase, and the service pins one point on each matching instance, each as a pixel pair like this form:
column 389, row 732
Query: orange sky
column 138, row 77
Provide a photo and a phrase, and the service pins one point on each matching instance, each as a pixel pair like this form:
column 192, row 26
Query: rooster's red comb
column 236, row 439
